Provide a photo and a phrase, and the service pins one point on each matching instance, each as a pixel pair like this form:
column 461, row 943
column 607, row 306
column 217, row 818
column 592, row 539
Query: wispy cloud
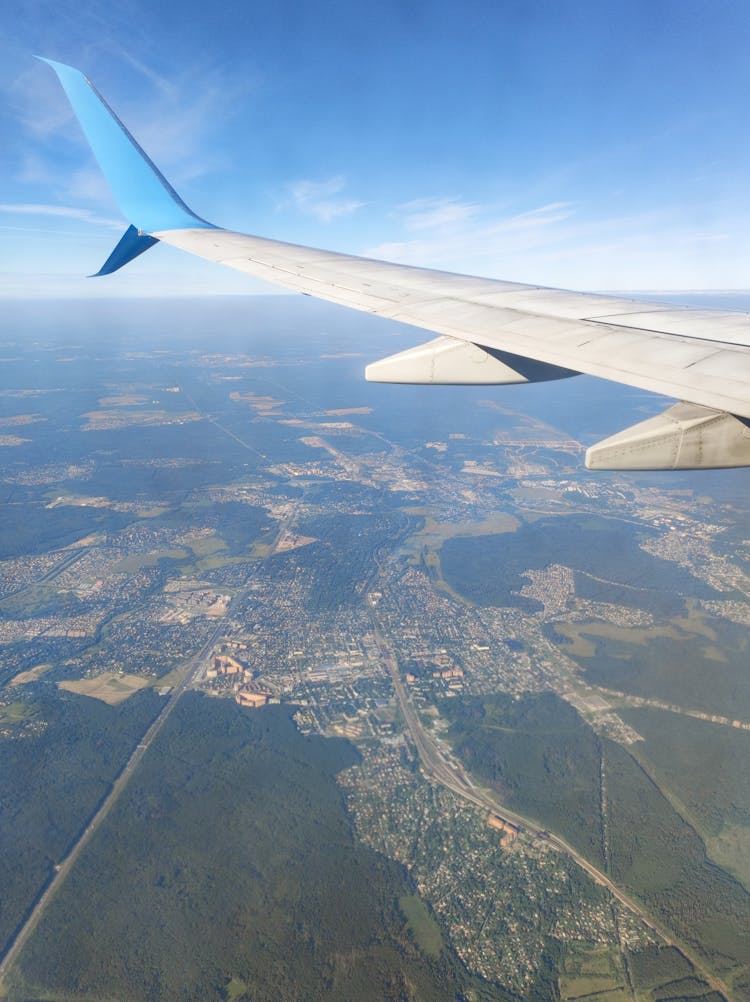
column 37, row 102
column 563, row 244
column 177, row 123
column 704, row 237
column 454, row 230
column 545, row 215
column 58, row 211
column 165, row 86
column 431, row 213
column 317, row 198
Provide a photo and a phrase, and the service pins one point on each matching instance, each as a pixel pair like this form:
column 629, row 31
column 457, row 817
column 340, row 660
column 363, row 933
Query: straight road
column 64, row 868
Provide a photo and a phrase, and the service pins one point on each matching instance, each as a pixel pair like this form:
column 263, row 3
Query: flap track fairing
column 684, row 437
column 447, row 361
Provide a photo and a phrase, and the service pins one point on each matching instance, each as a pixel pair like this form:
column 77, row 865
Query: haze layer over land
column 355, row 691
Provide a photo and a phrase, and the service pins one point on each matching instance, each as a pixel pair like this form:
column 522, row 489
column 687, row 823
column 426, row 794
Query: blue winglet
column 146, row 198
column 131, row 244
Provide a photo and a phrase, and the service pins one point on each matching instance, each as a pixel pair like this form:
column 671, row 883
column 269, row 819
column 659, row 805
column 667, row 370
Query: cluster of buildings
column 186, row 601
column 498, row 893
column 247, row 692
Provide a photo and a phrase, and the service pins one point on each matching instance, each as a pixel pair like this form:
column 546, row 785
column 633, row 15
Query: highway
column 66, row 865
column 62, row 870
column 453, row 777
column 447, row 773
column 191, row 675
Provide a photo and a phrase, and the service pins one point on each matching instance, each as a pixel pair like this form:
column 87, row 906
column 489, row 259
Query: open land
column 419, row 652
column 111, row 688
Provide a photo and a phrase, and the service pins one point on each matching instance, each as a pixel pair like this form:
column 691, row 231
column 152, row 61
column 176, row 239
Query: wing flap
column 448, row 362
column 730, row 328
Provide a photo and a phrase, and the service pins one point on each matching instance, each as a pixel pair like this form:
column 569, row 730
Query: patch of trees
column 32, row 528
column 51, row 784
column 680, row 669
column 539, row 755
column 488, row 569
column 656, row 854
column 705, row 765
column 343, row 560
column 231, row 856
column 658, row 965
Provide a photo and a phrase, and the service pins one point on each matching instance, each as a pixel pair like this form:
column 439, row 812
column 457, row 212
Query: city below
column 539, row 673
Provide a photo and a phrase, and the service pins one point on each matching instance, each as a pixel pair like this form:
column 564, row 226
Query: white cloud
column 703, row 237
column 462, row 231
column 38, row 103
column 545, row 215
column 59, row 211
column 430, row 213
column 564, row 245
column 315, row 198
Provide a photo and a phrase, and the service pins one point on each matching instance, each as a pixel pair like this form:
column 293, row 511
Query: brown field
column 110, row 687
column 584, row 986
column 173, row 677
column 264, row 405
column 92, row 540
column 433, row 534
column 292, row 541
column 124, row 400
column 77, row 501
column 129, row 565
column 115, row 418
column 693, row 622
column 31, row 675
column 18, row 419
column 206, row 546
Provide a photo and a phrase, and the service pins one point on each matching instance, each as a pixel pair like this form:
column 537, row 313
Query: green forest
column 51, row 784
column 546, row 762
column 229, row 862
column 541, row 757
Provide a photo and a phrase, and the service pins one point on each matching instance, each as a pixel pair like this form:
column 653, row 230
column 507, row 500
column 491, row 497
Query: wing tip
column 144, row 195
column 61, row 69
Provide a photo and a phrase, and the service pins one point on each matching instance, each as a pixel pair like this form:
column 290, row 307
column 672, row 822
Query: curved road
column 454, row 778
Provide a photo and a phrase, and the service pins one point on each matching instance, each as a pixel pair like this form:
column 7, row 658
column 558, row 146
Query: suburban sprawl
column 535, row 677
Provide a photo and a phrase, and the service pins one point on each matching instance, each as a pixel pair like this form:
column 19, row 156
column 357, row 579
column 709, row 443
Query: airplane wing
column 490, row 332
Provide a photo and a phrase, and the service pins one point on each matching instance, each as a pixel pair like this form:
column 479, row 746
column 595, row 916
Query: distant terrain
column 314, row 688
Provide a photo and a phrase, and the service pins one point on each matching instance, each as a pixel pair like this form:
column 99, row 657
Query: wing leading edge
column 491, row 332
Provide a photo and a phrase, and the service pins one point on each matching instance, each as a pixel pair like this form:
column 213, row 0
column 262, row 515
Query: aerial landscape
column 356, row 691
column 314, row 688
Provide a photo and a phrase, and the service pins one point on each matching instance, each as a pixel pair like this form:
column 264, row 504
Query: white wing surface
column 491, row 331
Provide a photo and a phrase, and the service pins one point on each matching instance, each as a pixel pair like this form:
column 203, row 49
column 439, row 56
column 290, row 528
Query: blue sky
column 591, row 145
